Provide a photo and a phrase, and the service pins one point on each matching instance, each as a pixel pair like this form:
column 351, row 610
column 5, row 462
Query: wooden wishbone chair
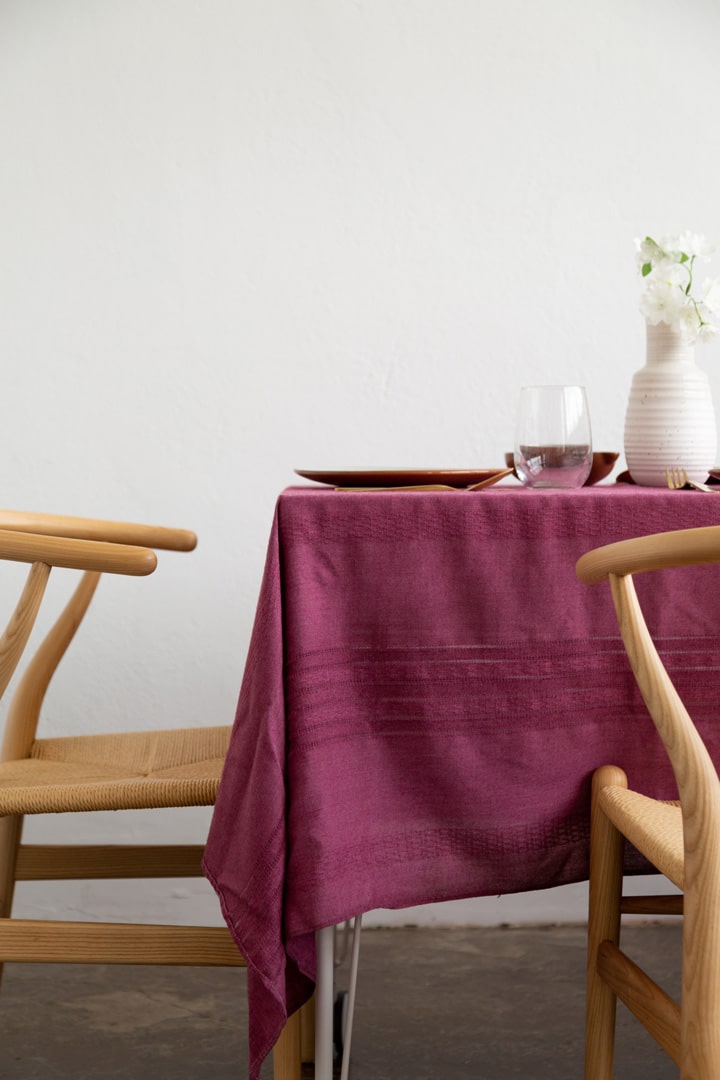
column 116, row 771
column 682, row 840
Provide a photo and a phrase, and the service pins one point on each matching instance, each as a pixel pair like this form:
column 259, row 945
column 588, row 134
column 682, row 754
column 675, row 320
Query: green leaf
column 684, row 257
column 647, row 267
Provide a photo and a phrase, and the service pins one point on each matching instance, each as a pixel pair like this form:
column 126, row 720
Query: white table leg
column 347, row 1033
column 324, row 999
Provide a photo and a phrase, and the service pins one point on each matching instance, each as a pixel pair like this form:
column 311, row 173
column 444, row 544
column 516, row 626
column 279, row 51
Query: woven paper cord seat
column 681, row 840
column 133, row 771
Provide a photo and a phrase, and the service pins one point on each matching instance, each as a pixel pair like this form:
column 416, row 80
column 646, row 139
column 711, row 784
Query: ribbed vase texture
column 670, row 419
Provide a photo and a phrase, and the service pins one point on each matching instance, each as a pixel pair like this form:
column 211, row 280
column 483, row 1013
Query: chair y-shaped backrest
column 43, row 553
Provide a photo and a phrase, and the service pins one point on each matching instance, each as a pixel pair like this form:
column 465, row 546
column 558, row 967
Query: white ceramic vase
column 670, row 419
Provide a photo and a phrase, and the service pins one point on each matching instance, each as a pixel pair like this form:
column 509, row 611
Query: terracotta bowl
column 603, row 464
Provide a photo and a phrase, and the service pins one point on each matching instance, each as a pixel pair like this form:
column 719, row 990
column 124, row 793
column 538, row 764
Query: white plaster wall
column 240, row 236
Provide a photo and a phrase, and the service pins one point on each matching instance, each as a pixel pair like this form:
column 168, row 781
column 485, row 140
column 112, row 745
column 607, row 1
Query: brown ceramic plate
column 603, row 464
column 458, row 478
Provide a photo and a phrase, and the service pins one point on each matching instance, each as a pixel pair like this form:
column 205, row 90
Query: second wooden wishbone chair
column 682, row 839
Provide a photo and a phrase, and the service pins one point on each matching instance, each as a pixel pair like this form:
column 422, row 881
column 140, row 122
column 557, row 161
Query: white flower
column 663, row 301
column 706, row 332
column 652, row 255
column 667, row 270
column 710, row 293
column 692, row 244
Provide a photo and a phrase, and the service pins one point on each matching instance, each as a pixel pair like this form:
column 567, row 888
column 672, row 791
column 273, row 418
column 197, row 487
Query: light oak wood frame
column 682, row 841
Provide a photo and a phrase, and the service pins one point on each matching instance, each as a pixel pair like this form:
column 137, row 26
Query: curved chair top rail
column 74, row 554
column 659, row 551
column 112, row 532
column 694, row 771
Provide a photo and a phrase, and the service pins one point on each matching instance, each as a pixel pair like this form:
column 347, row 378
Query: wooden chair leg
column 286, row 1053
column 307, row 1031
column 10, row 834
column 606, row 860
column 700, row 1036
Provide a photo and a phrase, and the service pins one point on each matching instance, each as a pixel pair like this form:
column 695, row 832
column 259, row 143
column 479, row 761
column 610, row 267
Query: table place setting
column 366, row 480
column 553, row 449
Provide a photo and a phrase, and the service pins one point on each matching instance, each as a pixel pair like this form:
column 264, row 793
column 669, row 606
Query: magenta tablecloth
column 427, row 692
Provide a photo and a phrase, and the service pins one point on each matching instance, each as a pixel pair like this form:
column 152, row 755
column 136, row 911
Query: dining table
column 427, row 691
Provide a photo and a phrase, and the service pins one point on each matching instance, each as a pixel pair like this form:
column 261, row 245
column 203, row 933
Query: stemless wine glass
column 553, row 445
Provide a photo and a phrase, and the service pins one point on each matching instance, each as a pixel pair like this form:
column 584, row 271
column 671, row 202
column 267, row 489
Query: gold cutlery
column 678, row 478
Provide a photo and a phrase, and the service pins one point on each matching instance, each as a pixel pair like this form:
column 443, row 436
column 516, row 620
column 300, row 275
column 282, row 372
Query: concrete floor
column 459, row 1004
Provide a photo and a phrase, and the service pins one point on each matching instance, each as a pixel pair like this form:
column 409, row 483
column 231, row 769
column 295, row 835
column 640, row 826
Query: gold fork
column 678, row 478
